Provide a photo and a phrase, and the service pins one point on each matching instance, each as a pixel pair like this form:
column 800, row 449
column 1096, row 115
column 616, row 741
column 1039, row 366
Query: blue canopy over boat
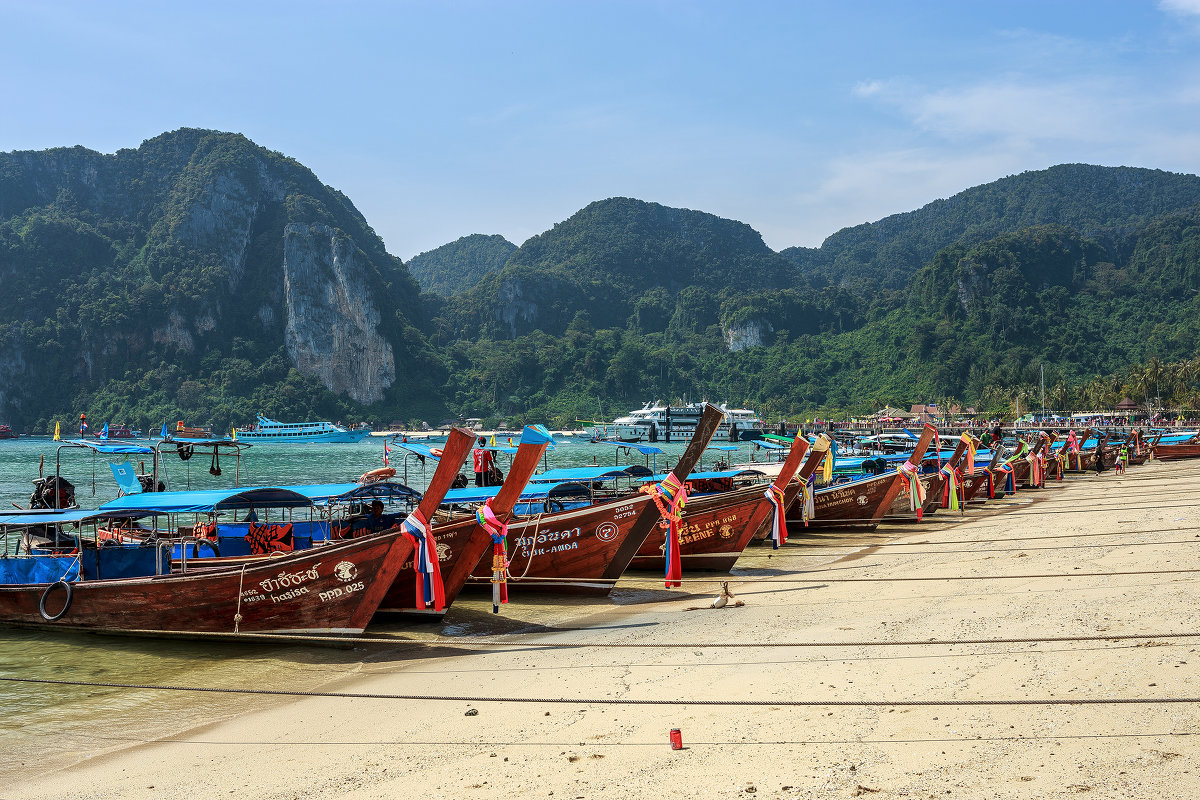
column 644, row 449
column 423, row 450
column 766, row 444
column 111, row 447
column 325, row 493
column 728, row 473
column 534, row 491
column 66, row 516
column 209, row 500
column 579, row 474
column 725, row 447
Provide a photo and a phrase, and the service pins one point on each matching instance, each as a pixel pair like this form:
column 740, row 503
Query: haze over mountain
column 203, row 277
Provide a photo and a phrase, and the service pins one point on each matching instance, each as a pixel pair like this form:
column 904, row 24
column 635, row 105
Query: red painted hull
column 332, row 589
column 581, row 551
column 1173, row 452
column 860, row 504
column 715, row 531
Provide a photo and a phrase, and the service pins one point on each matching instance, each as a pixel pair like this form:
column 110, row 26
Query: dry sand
column 1148, row 520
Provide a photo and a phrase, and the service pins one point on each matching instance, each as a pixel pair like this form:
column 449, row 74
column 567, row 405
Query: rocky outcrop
column 332, row 320
column 748, row 334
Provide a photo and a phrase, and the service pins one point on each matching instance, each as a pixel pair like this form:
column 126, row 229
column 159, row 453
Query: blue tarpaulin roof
column 325, row 493
column 725, row 447
column 423, row 450
column 111, row 447
column 767, row 445
column 538, row 491
column 199, row 502
column 644, row 449
column 728, row 473
column 63, row 517
column 579, row 474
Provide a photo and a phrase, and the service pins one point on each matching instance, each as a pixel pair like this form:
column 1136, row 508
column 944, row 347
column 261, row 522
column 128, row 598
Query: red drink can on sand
column 676, row 739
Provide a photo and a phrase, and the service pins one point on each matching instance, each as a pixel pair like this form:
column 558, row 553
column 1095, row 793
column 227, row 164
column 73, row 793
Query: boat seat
column 126, row 477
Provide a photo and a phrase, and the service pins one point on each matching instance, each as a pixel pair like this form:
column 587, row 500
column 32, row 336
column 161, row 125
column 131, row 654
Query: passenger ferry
column 269, row 430
column 656, row 421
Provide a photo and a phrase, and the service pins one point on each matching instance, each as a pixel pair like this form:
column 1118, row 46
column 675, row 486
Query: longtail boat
column 1174, row 451
column 1032, row 474
column 462, row 542
column 863, row 503
column 329, row 590
column 980, row 486
column 585, row 550
column 716, row 528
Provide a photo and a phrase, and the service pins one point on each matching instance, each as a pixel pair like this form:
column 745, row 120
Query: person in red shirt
column 482, row 461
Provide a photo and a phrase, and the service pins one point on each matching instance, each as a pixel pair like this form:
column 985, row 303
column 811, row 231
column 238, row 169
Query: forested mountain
column 456, row 267
column 1095, row 201
column 198, row 277
column 202, row 277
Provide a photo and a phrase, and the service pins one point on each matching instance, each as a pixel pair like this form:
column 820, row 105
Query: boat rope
column 903, row 578
column 612, row 701
column 532, row 549
column 772, row 554
column 809, row 542
column 481, row 642
column 237, row 614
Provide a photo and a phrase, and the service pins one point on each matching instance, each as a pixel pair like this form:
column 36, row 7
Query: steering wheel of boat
column 66, row 602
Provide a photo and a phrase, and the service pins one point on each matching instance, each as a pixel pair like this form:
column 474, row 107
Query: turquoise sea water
column 57, row 724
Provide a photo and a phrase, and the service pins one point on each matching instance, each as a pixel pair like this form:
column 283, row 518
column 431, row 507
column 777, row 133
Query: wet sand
column 1007, row 576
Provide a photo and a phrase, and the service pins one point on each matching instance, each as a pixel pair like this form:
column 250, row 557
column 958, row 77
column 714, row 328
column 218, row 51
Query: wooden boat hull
column 329, row 590
column 460, row 544
column 579, row 551
column 715, row 531
column 859, row 504
column 900, row 509
column 1174, row 452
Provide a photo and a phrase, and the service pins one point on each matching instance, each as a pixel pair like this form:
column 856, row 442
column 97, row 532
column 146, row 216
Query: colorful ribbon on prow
column 969, row 441
column 498, row 530
column 916, row 492
column 671, row 516
column 951, row 488
column 425, row 562
column 778, row 524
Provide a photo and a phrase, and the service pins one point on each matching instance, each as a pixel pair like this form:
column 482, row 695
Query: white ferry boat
column 658, row 422
column 269, row 430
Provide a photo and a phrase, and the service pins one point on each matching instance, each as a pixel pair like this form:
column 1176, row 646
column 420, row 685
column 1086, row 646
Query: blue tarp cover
column 579, row 474
column 423, row 450
column 538, row 491
column 325, row 493
column 111, row 447
column 728, row 473
column 63, row 517
column 644, row 449
column 725, row 447
column 199, row 502
column 768, row 445
column 24, row 570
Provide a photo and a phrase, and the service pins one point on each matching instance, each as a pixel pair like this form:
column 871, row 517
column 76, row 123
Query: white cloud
column 1181, row 7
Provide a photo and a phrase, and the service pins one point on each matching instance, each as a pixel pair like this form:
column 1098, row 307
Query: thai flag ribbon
column 916, row 492
column 425, row 563
column 951, row 488
column 774, row 495
column 672, row 516
column 498, row 530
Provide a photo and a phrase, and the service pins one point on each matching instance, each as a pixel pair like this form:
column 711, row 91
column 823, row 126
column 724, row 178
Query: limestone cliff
column 199, row 256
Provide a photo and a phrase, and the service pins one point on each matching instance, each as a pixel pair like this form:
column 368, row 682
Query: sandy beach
column 1028, row 573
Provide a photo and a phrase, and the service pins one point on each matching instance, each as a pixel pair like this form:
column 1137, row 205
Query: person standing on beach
column 482, row 461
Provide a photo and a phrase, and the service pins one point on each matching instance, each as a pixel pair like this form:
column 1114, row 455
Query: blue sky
column 440, row 119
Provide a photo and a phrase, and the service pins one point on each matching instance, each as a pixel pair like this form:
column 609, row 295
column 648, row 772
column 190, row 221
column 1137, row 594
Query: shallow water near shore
column 50, row 725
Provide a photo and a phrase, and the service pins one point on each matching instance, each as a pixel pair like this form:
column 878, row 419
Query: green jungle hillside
column 201, row 277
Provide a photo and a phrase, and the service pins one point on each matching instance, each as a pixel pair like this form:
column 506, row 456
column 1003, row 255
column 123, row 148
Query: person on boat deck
column 376, row 521
column 997, row 433
column 251, row 516
column 482, row 461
